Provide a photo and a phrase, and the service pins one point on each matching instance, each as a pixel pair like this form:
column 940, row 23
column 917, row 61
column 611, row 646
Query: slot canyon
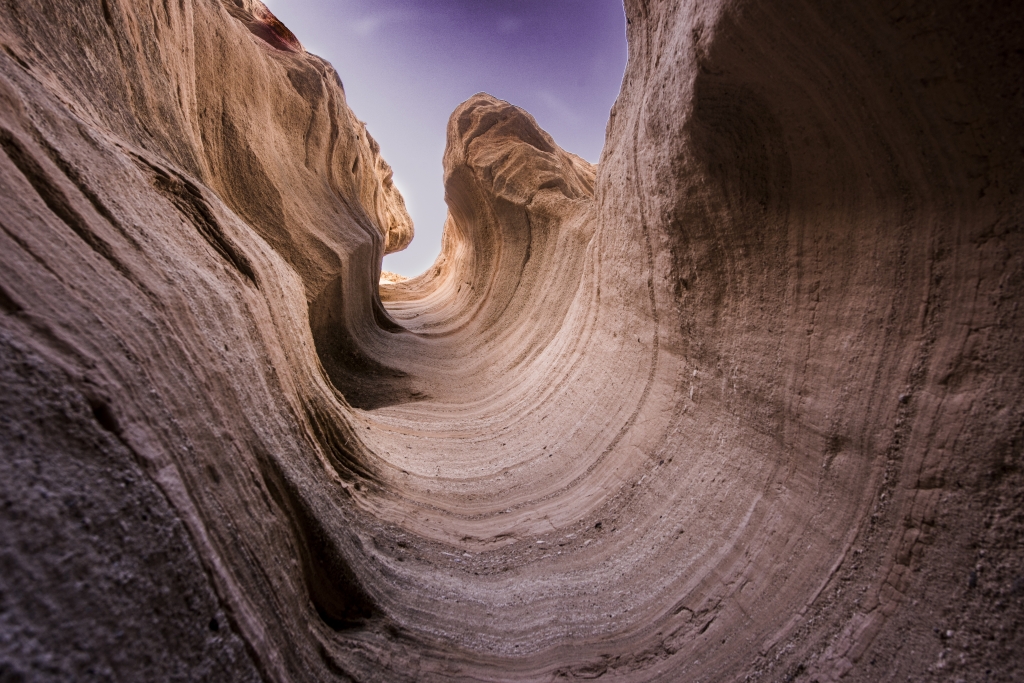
column 743, row 401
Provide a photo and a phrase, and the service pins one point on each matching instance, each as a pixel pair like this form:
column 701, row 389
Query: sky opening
column 406, row 65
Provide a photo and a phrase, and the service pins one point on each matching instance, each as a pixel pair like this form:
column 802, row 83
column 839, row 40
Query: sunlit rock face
column 743, row 401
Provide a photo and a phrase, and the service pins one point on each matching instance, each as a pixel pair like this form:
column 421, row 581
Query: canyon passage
column 740, row 402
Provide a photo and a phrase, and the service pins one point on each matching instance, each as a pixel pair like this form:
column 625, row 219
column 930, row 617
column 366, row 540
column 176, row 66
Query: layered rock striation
column 740, row 402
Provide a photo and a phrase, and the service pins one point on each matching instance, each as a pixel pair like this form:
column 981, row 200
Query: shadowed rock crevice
column 365, row 382
column 188, row 199
column 333, row 587
column 739, row 402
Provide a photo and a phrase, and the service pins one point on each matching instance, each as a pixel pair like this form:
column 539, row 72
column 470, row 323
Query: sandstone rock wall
column 740, row 402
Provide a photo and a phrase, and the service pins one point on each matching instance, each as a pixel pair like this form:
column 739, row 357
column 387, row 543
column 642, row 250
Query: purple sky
column 406, row 65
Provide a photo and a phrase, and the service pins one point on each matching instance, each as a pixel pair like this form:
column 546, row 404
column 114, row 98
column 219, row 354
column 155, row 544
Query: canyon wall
column 740, row 402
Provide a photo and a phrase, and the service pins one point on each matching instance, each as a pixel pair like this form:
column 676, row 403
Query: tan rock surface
column 741, row 402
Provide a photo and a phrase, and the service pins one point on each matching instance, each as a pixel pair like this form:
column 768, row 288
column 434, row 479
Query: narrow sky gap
column 406, row 65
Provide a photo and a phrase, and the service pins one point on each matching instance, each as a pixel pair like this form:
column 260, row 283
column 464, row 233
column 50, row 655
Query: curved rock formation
column 742, row 402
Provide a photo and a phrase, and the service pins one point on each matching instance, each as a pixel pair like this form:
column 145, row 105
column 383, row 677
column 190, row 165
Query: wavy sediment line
column 738, row 402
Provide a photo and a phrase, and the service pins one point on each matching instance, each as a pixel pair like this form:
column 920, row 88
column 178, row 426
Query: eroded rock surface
column 741, row 402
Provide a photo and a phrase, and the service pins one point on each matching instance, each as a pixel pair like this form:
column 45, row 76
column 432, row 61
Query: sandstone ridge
column 739, row 402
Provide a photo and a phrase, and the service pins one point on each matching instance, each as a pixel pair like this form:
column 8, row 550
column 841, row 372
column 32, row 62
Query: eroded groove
column 341, row 446
column 82, row 185
column 333, row 587
column 9, row 305
column 55, row 199
column 188, row 199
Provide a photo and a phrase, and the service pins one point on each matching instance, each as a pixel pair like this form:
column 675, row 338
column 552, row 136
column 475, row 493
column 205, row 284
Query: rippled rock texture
column 741, row 402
